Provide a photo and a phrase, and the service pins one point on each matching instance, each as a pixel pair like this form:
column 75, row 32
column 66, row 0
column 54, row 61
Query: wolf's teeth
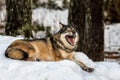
column 71, row 41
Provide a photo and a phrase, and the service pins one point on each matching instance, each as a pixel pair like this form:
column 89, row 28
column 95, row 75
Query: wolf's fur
column 58, row 47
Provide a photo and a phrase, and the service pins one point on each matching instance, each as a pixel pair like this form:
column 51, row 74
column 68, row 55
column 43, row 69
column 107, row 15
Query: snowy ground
column 61, row 70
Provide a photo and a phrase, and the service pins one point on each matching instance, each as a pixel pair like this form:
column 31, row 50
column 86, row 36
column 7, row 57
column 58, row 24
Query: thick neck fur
column 58, row 45
column 59, row 51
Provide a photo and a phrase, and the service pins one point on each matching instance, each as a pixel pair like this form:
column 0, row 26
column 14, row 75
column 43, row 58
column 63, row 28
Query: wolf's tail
column 16, row 53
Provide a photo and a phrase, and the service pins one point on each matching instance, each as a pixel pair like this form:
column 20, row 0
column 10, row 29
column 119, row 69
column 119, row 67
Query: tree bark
column 94, row 30
column 19, row 15
column 77, row 16
column 91, row 30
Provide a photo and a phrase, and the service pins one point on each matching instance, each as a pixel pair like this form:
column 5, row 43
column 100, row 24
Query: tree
column 111, row 11
column 19, row 15
column 88, row 15
column 114, row 11
column 77, row 16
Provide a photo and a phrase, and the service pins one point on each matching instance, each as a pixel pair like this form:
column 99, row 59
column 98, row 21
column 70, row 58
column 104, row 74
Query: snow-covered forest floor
column 61, row 70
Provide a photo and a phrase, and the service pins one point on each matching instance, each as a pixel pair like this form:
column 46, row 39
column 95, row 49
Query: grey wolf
column 60, row 46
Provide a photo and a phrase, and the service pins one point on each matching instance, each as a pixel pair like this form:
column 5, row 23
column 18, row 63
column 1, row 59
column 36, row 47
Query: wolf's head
column 67, row 37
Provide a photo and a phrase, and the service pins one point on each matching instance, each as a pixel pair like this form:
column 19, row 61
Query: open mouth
column 70, row 39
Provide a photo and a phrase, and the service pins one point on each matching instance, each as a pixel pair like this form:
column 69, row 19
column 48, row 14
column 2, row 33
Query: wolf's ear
column 61, row 25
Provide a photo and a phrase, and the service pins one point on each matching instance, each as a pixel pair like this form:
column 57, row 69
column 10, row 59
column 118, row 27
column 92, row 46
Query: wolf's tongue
column 71, row 41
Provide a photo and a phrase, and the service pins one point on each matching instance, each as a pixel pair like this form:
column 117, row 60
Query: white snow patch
column 112, row 37
column 51, row 18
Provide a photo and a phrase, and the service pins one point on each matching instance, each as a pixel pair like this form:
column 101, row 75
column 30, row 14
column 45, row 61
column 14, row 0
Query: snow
column 112, row 37
column 48, row 17
column 2, row 16
column 61, row 70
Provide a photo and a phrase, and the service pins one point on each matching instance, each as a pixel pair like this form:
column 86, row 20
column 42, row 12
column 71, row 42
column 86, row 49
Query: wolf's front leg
column 81, row 64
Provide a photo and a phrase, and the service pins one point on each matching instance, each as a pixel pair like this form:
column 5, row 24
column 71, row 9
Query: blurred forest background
column 40, row 18
column 111, row 11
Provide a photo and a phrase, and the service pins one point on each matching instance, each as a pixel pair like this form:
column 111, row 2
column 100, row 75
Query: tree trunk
column 19, row 15
column 77, row 16
column 91, row 30
column 94, row 30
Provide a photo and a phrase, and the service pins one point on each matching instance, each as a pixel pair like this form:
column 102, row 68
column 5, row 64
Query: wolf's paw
column 88, row 69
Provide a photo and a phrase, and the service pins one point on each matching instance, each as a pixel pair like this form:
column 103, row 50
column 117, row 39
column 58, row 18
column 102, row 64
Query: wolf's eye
column 73, row 29
column 69, row 30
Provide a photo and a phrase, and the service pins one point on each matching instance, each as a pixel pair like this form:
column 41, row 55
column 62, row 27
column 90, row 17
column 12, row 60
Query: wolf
column 60, row 46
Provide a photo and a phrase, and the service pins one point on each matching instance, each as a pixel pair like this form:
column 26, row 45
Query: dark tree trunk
column 91, row 30
column 94, row 30
column 19, row 15
column 77, row 16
